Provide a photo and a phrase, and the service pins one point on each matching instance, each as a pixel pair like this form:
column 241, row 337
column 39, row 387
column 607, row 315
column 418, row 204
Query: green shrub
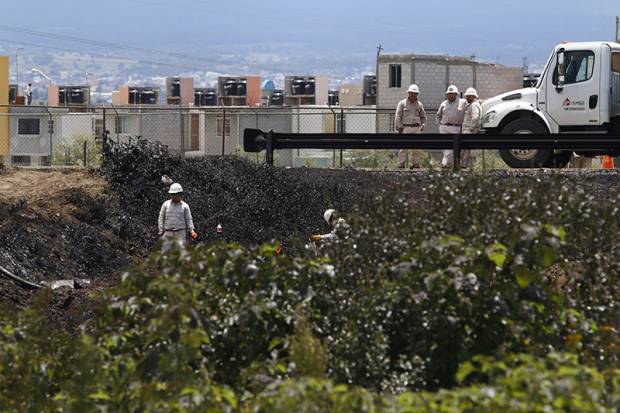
column 71, row 151
column 417, row 307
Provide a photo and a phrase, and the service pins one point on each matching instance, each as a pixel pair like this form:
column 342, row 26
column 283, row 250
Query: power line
column 117, row 59
column 98, row 43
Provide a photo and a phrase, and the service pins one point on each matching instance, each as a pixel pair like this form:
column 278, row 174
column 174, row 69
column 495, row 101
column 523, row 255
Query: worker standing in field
column 175, row 218
column 472, row 121
column 410, row 118
column 450, row 119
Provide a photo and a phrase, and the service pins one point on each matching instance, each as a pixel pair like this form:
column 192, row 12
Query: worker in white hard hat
column 450, row 120
column 175, row 218
column 336, row 222
column 410, row 118
column 472, row 122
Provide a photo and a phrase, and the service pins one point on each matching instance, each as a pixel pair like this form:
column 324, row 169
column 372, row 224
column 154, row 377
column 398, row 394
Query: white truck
column 578, row 92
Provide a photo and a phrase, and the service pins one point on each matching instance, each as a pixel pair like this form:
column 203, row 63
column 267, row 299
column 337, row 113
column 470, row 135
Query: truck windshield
column 544, row 74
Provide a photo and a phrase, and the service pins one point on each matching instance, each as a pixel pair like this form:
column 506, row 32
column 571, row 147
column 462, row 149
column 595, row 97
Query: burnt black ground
column 107, row 231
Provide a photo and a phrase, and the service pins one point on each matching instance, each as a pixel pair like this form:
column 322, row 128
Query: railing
column 255, row 141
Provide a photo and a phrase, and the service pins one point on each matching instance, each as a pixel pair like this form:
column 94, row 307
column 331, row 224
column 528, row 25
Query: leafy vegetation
column 476, row 298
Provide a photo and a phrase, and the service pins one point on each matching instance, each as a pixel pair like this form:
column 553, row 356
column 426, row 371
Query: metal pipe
column 19, row 280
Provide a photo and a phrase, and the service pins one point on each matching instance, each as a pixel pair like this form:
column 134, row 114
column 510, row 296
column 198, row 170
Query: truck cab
column 578, row 92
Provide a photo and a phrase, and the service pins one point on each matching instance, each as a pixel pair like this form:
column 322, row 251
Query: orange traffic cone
column 607, row 162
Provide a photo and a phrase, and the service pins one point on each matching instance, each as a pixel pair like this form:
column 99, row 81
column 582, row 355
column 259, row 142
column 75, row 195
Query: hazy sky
column 499, row 29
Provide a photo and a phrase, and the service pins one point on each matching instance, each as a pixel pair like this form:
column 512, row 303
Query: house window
column 121, row 124
column 395, row 75
column 98, row 127
column 226, row 127
column 28, row 126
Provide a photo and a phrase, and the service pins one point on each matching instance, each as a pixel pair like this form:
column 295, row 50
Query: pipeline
column 19, row 280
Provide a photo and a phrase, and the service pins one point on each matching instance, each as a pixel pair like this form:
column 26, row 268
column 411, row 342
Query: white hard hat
column 175, row 189
column 471, row 92
column 327, row 216
column 413, row 88
column 452, row 89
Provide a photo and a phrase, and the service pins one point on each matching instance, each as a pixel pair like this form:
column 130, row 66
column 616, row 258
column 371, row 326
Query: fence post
column 342, row 127
column 50, row 131
column 223, row 131
column 269, row 148
column 182, row 130
column 456, row 157
column 84, row 154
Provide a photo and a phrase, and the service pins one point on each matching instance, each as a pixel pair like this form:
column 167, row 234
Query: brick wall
column 433, row 74
column 462, row 76
column 431, row 78
column 495, row 80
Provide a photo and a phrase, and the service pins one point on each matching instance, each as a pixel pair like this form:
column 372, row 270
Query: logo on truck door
column 574, row 105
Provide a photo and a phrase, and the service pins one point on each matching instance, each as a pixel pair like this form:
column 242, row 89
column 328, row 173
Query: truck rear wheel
column 524, row 158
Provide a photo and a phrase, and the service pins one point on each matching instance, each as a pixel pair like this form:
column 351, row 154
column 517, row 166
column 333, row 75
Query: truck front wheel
column 524, row 158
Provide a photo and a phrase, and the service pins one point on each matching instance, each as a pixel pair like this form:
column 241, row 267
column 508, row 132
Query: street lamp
column 38, row 71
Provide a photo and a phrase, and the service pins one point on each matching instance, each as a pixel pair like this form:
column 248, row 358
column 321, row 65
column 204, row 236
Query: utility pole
column 17, row 49
column 379, row 49
column 617, row 39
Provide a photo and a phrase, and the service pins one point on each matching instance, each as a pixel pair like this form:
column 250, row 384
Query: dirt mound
column 253, row 203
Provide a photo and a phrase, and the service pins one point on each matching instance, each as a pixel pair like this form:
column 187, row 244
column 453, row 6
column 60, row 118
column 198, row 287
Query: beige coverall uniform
column 411, row 117
column 175, row 221
column 580, row 162
column 471, row 125
column 450, row 119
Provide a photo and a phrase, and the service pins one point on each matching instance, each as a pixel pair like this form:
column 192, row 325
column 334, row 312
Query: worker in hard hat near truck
column 450, row 120
column 175, row 218
column 410, row 118
column 337, row 223
column 471, row 122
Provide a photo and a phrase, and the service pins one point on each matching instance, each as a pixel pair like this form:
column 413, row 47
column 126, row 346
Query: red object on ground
column 607, row 162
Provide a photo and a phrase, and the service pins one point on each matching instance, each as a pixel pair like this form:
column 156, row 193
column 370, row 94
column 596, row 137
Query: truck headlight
column 489, row 117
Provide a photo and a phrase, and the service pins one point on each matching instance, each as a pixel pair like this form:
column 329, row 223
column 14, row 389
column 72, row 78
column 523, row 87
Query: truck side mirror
column 561, row 70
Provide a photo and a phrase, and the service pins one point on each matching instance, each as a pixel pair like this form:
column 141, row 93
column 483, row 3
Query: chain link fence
column 57, row 136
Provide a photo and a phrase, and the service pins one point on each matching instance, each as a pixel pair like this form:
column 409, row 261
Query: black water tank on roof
column 148, row 97
column 62, row 96
column 298, row 86
column 373, row 86
column 198, row 98
column 230, row 87
column 242, row 87
column 134, row 96
column 277, row 98
column 333, row 98
column 310, row 87
column 210, row 97
column 76, row 95
column 176, row 88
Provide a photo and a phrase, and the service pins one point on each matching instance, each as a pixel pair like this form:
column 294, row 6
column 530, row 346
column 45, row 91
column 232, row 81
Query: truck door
column 577, row 101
